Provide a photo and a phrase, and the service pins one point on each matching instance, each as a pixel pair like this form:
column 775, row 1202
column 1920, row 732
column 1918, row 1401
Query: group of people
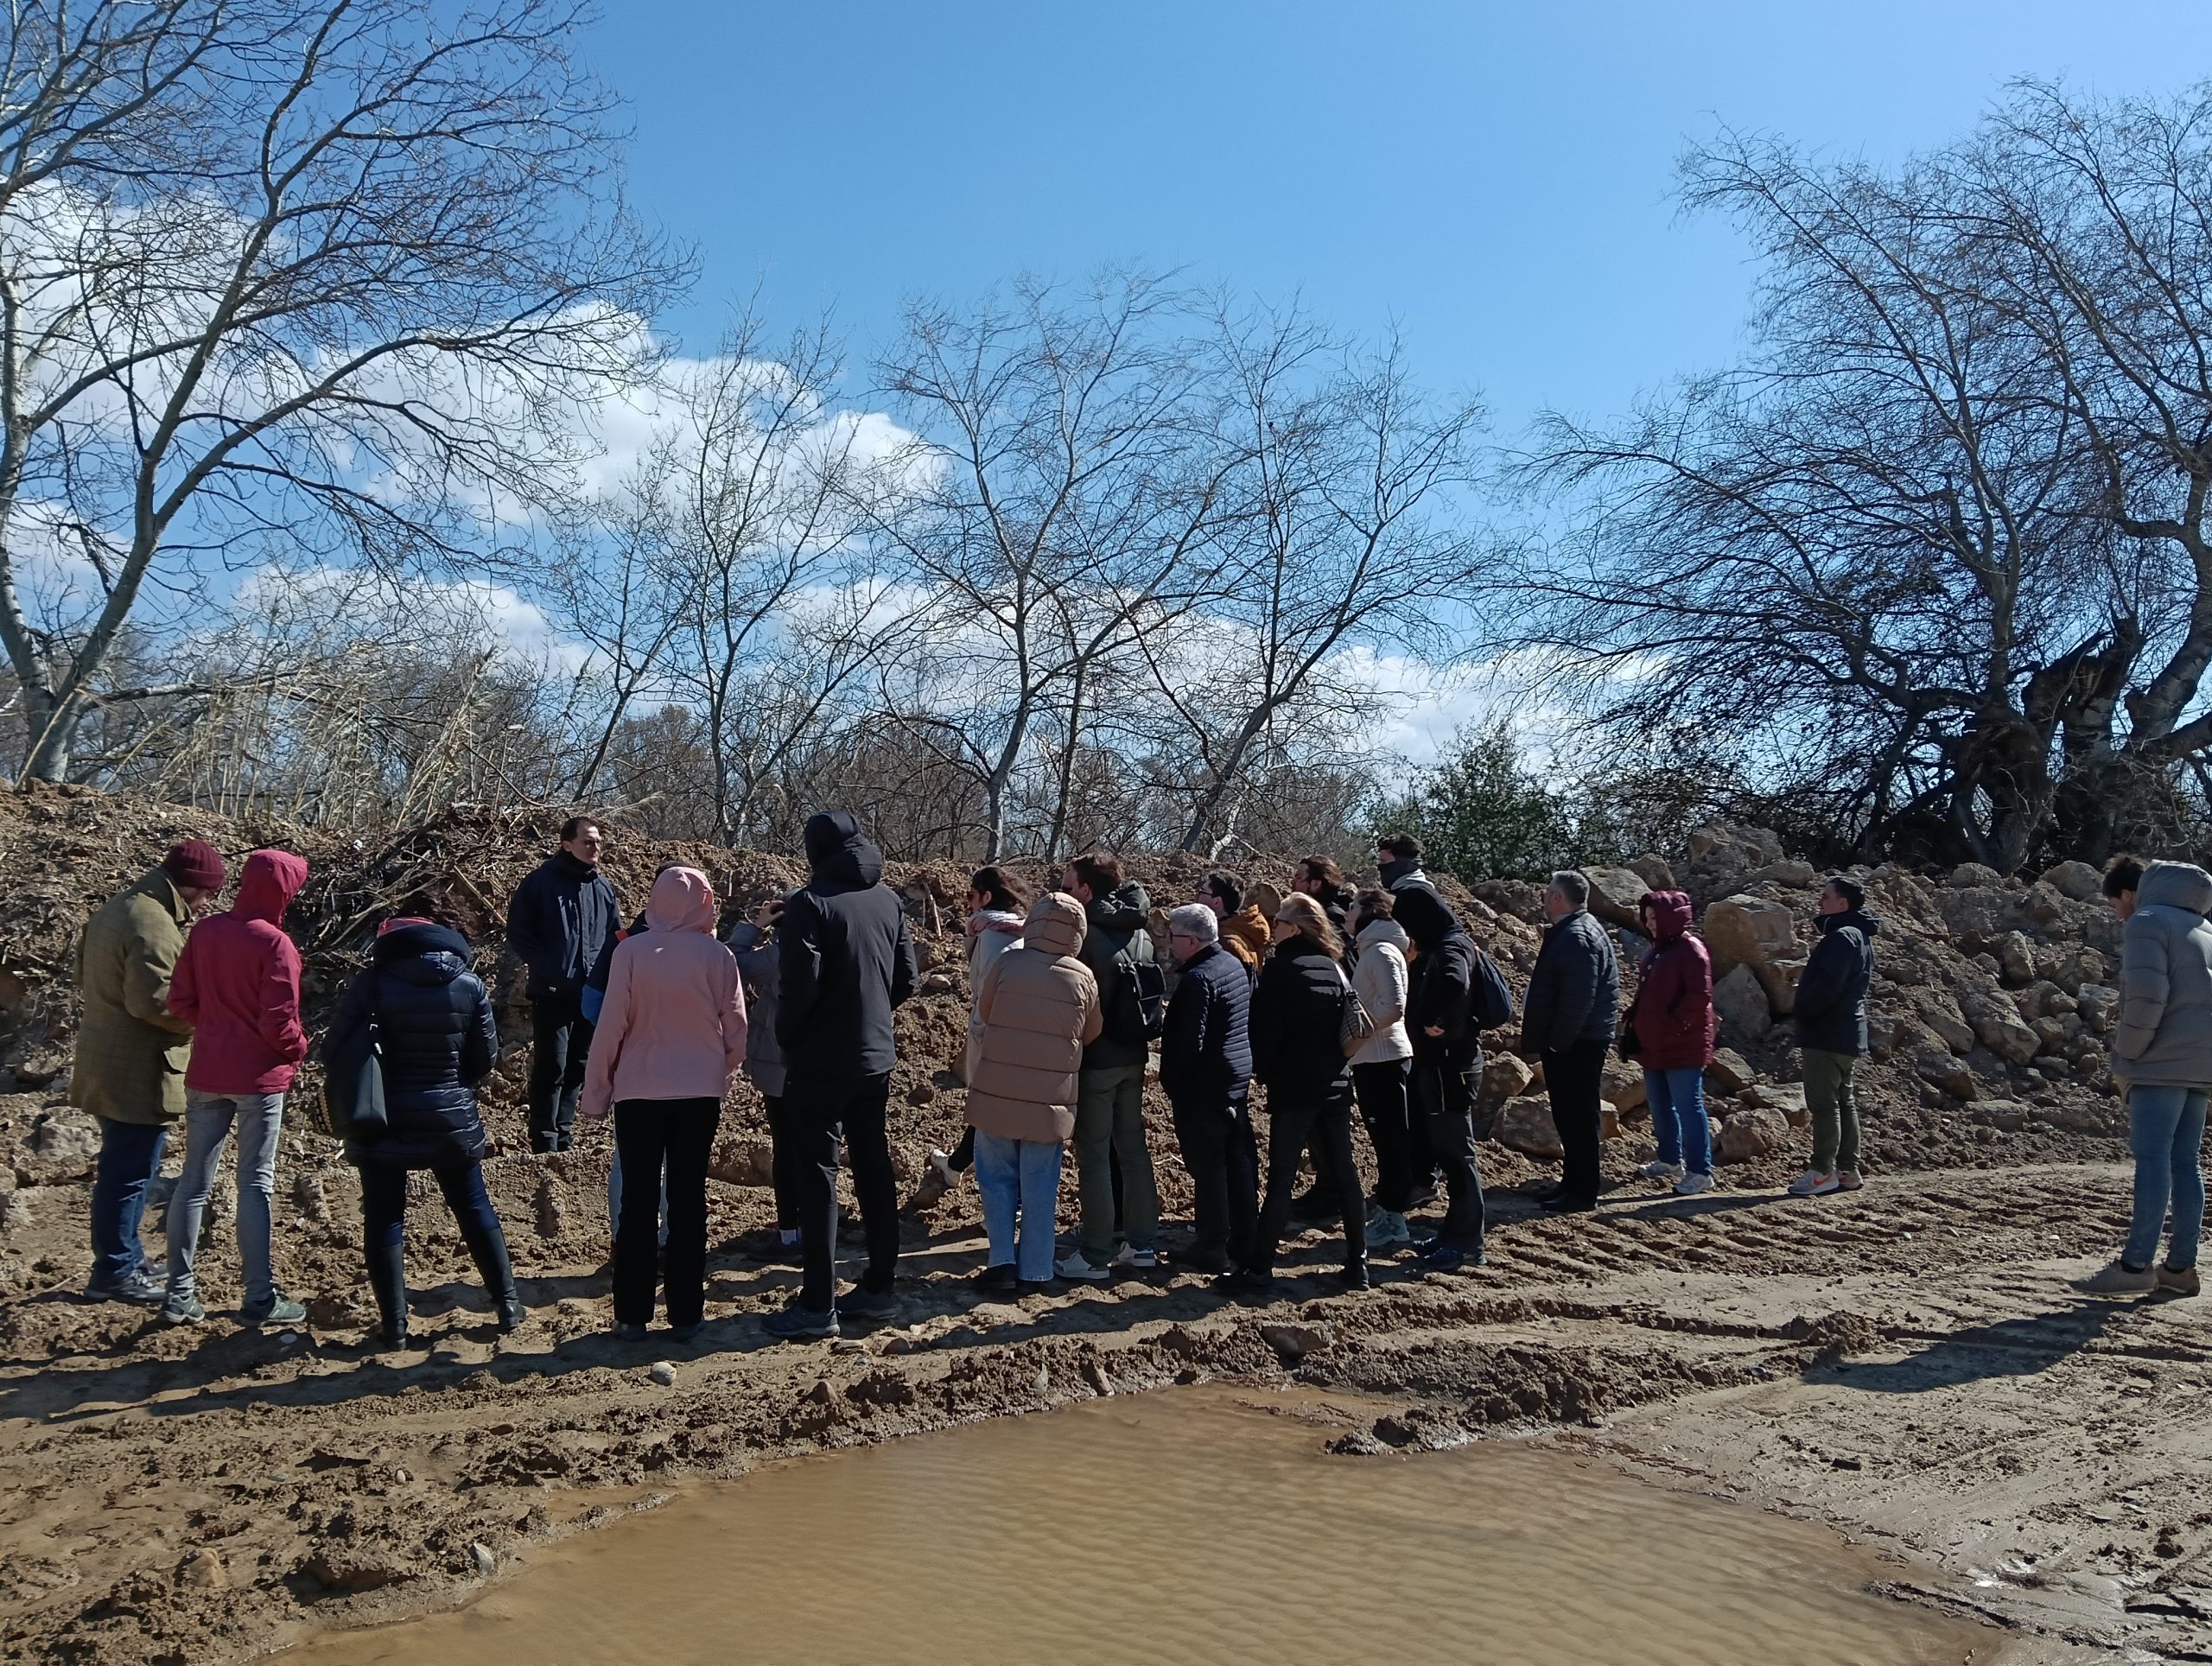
column 1333, row 998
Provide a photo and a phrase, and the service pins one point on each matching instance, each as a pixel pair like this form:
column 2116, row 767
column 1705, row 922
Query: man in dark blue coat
column 847, row 963
column 1205, row 1069
column 1446, row 1067
column 1570, row 1014
column 563, row 913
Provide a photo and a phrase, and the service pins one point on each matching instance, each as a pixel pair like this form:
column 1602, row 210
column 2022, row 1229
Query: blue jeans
column 614, row 1198
column 1021, row 1175
column 1677, row 1102
column 207, row 1120
column 130, row 1153
column 2166, row 1126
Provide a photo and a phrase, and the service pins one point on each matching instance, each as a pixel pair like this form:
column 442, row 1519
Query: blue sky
column 1494, row 178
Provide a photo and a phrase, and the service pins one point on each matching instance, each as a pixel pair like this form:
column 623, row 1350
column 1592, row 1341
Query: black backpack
column 1144, row 996
column 1491, row 998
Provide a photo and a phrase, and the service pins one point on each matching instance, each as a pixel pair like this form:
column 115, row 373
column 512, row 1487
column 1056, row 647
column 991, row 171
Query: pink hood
column 682, row 900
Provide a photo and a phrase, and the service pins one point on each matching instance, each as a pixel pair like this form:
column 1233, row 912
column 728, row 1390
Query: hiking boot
column 1389, row 1228
column 1815, row 1183
column 1847, row 1180
column 799, row 1322
column 1658, row 1171
column 2117, row 1280
column 277, row 1309
column 1075, row 1267
column 1136, row 1259
column 185, row 1310
column 860, row 1302
column 1440, row 1257
column 998, row 1281
column 140, row 1289
column 1690, row 1185
column 2177, row 1281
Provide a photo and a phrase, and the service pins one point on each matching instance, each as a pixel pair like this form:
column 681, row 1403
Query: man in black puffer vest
column 846, row 962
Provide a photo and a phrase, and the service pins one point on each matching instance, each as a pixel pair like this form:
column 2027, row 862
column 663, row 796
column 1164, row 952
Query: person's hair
column 1312, row 922
column 1000, row 890
column 2123, row 874
column 1376, row 902
column 1849, row 888
column 1096, row 874
column 1194, row 919
column 1573, row 885
column 1225, row 886
column 435, row 908
column 1323, row 869
column 576, row 825
column 1402, row 847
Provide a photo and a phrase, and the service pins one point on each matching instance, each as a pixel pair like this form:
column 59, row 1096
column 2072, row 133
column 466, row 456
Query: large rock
column 1729, row 1072
column 62, row 1146
column 1971, row 874
column 2077, row 879
column 1525, row 1125
column 2100, row 1006
column 1743, row 1006
column 1623, row 1087
column 2042, row 904
column 1614, row 894
column 1790, row 874
column 743, row 1162
column 1788, row 1097
column 1936, row 1064
column 1979, row 915
column 1505, row 1076
column 1939, row 1010
column 2081, row 965
column 1997, row 1025
column 1728, row 844
column 1744, row 931
column 1658, row 873
column 1748, row 1135
column 2017, row 956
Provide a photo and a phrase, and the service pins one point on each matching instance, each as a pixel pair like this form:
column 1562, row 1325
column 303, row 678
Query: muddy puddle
column 1197, row 1525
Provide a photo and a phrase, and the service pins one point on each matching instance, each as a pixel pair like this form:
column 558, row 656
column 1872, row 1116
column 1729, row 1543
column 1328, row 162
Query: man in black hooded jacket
column 1448, row 1061
column 563, row 913
column 846, row 962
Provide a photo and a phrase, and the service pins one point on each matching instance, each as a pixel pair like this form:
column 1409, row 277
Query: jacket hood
column 1384, row 930
column 837, row 849
column 1055, row 923
column 1858, row 917
column 1424, row 916
column 1299, row 946
column 995, row 919
column 1124, row 908
column 682, row 900
column 2176, row 884
column 271, row 881
column 1398, row 868
column 423, row 952
column 1670, row 912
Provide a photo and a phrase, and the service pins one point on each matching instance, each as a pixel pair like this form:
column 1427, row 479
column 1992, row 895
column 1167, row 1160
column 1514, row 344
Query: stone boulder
column 1997, row 1023
column 1788, row 1097
column 2043, row 904
column 1729, row 1073
column 743, row 1162
column 1979, row 915
column 1623, row 1086
column 2079, row 965
column 1658, row 873
column 1938, row 1009
column 1969, row 875
column 2016, row 957
column 1790, row 874
column 1744, row 931
column 1937, row 1064
column 63, row 1146
column 1525, row 1125
column 1743, row 1006
column 1614, row 893
column 2100, row 1006
column 1505, row 1076
column 1724, row 843
column 1748, row 1135
column 2077, row 879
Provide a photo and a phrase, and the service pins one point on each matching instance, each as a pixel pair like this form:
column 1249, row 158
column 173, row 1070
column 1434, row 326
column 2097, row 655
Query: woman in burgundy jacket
column 1674, row 1026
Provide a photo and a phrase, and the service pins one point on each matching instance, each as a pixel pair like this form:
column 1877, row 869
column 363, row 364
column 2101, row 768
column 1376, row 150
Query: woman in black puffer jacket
column 1298, row 1012
column 435, row 1028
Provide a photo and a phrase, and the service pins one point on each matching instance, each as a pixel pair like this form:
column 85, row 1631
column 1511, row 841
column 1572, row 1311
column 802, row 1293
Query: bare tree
column 333, row 275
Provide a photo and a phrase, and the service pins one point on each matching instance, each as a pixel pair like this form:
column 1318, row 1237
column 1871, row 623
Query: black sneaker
column 683, row 1332
column 1356, row 1278
column 1560, row 1202
column 1033, row 1287
column 1000, row 1280
column 1212, row 1263
column 140, row 1289
column 1246, row 1284
column 860, row 1302
column 799, row 1322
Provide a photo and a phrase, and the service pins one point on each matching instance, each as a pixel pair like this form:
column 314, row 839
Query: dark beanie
column 195, row 863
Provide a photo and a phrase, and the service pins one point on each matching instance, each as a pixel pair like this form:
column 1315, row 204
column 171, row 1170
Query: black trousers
column 1386, row 1109
column 823, row 1114
column 1443, row 1090
column 1326, row 1124
column 560, row 1046
column 784, row 1145
column 1573, row 1080
column 1225, row 1163
column 649, row 1133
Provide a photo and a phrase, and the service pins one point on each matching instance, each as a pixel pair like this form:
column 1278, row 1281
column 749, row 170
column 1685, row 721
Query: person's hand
column 589, row 1115
column 1432, row 1029
column 768, row 913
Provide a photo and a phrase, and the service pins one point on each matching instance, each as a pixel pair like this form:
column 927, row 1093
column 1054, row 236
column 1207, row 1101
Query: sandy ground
column 1907, row 1363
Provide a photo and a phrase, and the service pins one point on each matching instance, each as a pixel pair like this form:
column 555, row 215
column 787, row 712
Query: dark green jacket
column 1117, row 936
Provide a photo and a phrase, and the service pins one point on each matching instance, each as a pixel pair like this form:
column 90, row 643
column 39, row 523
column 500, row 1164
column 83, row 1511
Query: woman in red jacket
column 1674, row 1026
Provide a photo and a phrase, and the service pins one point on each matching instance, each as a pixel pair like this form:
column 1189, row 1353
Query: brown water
column 1189, row 1526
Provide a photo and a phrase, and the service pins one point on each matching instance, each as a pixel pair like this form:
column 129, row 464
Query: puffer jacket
column 1246, row 935
column 756, row 969
column 673, row 1024
column 2163, row 1037
column 1298, row 1013
column 1673, row 1013
column 1574, row 990
column 1038, row 1007
column 1380, row 978
column 1116, row 938
column 846, row 961
column 237, row 984
column 131, row 1049
column 1829, row 1013
column 434, row 1023
column 1205, row 1052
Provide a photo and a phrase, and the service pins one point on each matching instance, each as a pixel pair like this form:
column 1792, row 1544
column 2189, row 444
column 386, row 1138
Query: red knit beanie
column 195, row 863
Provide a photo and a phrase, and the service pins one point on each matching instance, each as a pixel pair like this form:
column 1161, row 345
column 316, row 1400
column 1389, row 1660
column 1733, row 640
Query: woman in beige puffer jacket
column 1038, row 1007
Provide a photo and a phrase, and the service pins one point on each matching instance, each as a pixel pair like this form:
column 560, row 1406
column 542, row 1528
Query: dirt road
column 1906, row 1362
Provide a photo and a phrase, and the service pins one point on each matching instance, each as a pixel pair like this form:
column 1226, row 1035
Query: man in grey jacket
column 2162, row 1053
column 1573, row 1005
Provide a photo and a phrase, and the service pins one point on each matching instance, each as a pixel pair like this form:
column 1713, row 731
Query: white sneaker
column 1814, row 1183
column 1660, row 1172
column 1142, row 1260
column 1847, row 1180
column 1690, row 1185
column 1387, row 1228
column 1076, row 1267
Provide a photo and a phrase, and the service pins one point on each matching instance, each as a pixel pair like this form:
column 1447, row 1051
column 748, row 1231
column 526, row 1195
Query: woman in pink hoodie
column 670, row 1038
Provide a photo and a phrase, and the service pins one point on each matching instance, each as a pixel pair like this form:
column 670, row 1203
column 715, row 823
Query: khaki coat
column 1037, row 1010
column 131, row 1049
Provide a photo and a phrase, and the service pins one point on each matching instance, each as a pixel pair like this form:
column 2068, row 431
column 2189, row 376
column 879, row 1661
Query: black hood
column 1858, row 917
column 1426, row 918
column 837, row 849
column 1397, row 868
column 1125, row 908
column 427, row 953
